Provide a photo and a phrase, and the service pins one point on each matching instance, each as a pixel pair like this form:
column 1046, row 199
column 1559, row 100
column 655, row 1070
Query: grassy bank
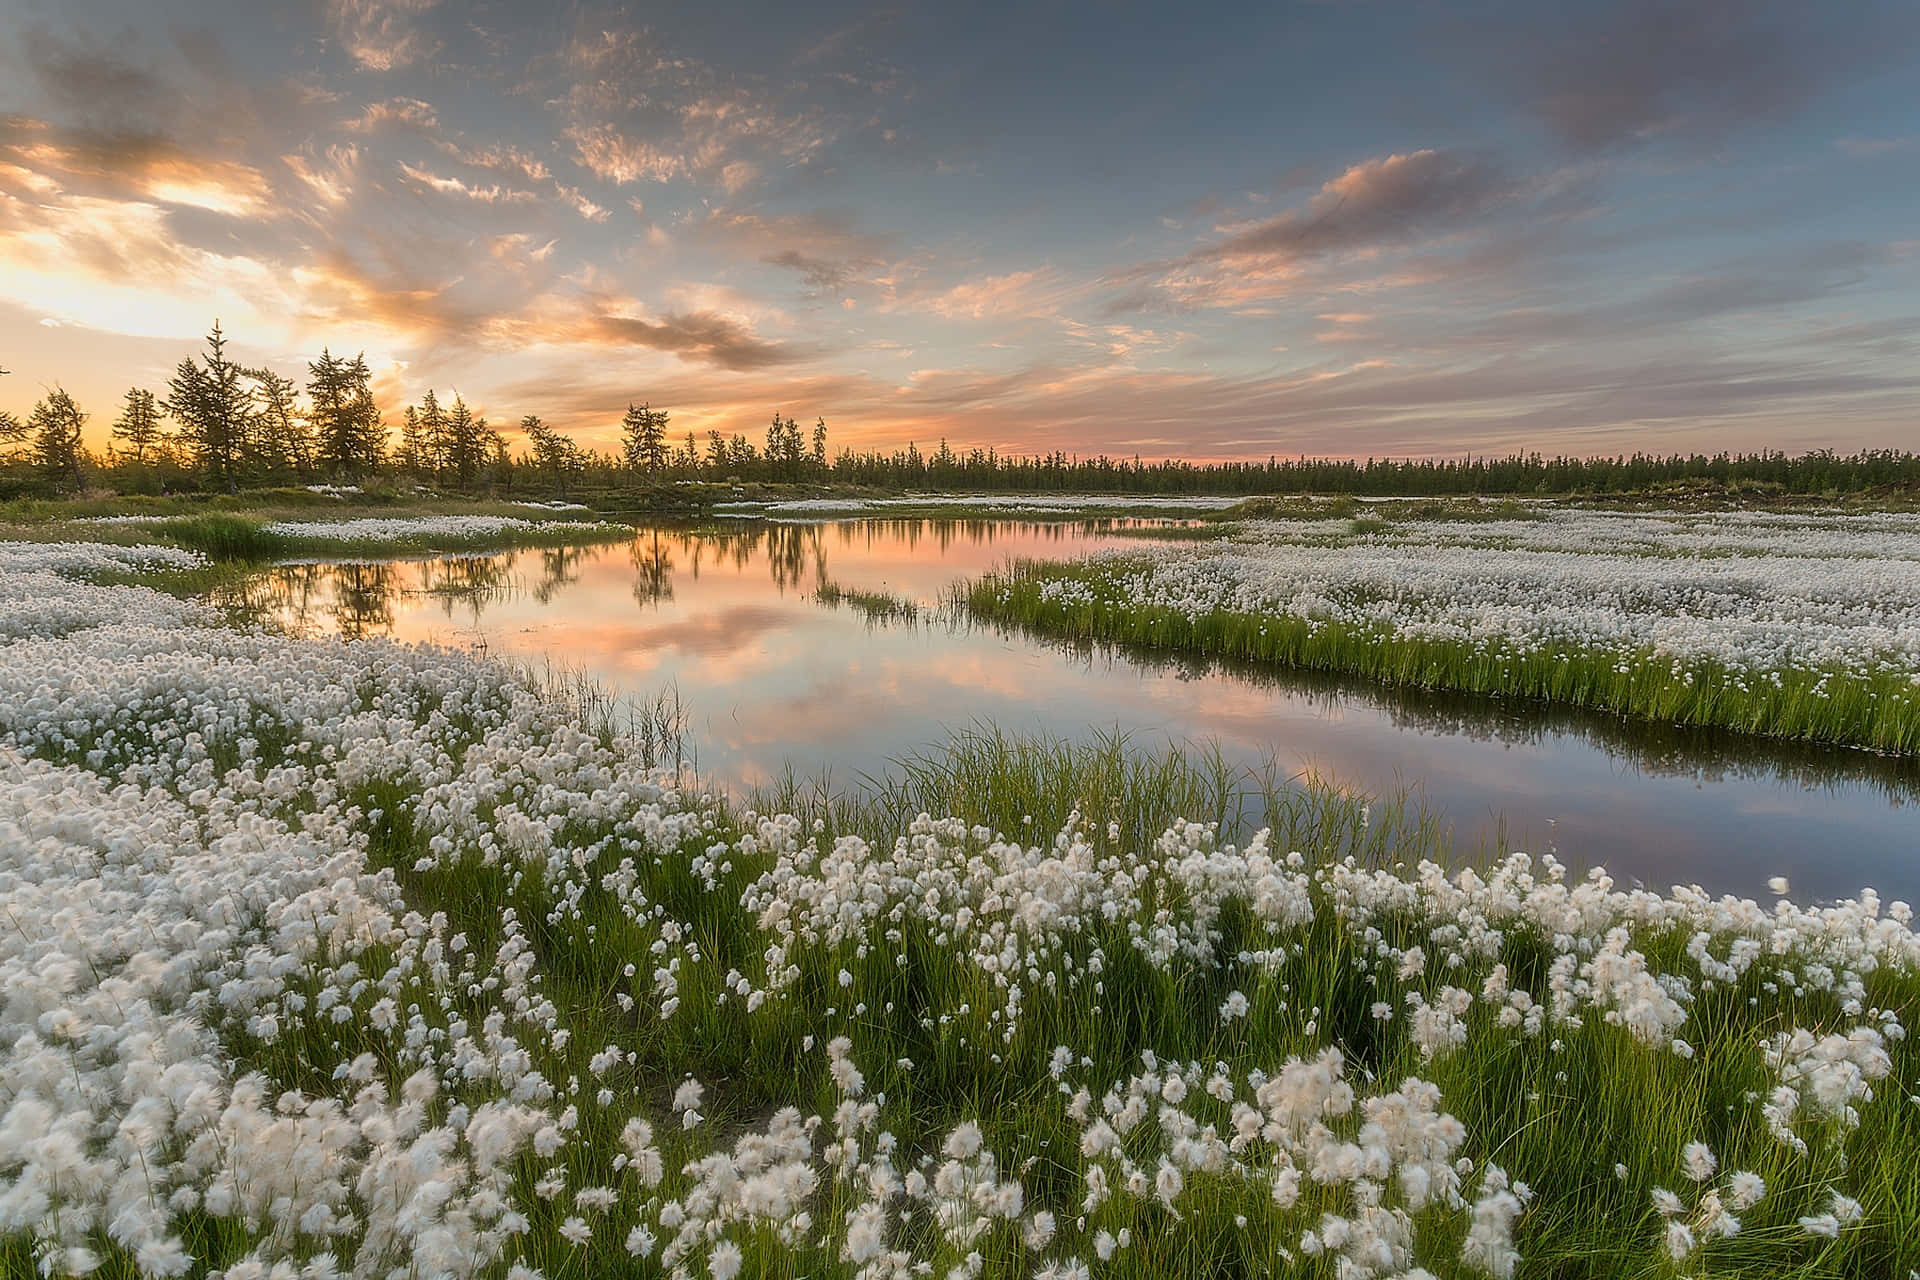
column 1879, row 711
column 259, row 537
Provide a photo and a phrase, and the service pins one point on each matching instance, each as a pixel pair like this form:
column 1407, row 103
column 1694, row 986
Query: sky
column 1205, row 231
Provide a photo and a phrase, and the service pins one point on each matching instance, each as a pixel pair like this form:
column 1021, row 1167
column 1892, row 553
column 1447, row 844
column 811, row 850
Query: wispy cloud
column 382, row 35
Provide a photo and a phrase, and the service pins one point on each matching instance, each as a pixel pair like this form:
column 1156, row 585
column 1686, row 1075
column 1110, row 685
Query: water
column 775, row 679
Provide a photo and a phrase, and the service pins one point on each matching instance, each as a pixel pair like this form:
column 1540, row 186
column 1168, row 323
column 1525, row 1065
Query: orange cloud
column 132, row 164
column 382, row 34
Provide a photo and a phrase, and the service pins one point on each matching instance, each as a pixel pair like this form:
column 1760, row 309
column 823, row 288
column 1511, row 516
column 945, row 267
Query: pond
column 773, row 678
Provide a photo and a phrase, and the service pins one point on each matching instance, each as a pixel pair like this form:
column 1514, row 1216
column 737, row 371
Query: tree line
column 223, row 426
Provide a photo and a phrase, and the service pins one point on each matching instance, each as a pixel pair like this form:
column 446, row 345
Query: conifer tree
column 643, row 437
column 214, row 407
column 54, row 426
column 139, row 426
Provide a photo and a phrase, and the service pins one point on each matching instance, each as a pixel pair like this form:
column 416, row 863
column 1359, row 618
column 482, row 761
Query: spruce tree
column 139, row 426
column 54, row 426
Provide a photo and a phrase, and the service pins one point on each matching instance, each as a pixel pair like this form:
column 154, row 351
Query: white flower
column 964, row 1141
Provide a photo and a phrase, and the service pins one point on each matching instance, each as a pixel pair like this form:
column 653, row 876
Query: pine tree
column 643, row 437
column 139, row 426
column 55, row 426
column 346, row 418
column 281, row 443
column 412, row 442
column 467, row 444
column 214, row 407
column 433, row 434
column 552, row 452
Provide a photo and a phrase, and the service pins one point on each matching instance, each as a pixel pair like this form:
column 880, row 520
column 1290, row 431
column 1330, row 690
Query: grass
column 249, row 538
column 561, row 532
column 1559, row 1116
column 876, row 606
column 219, row 536
column 1879, row 711
column 1380, row 513
column 1559, row 1120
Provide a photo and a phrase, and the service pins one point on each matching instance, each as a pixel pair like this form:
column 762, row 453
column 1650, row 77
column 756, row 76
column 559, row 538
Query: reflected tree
column 652, row 570
column 363, row 599
column 559, row 567
column 475, row 581
column 788, row 548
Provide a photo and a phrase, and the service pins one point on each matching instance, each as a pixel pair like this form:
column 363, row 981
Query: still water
column 773, row 679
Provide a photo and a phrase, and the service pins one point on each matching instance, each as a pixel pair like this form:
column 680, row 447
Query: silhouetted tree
column 213, row 405
column 281, row 442
column 466, row 447
column 350, row 432
column 54, row 426
column 784, row 449
column 432, row 455
column 643, row 438
column 559, row 457
column 139, row 426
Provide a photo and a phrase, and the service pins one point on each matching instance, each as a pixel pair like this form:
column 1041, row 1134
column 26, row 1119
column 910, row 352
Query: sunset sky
column 1208, row 231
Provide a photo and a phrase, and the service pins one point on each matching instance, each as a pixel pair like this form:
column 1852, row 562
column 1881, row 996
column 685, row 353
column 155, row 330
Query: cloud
column 330, row 176
column 1039, row 291
column 396, row 114
column 633, row 112
column 703, row 336
column 1387, row 200
column 1640, row 70
column 338, row 291
column 85, row 80
column 1393, row 203
column 132, row 164
column 1767, row 286
column 492, row 193
column 499, row 158
column 382, row 35
column 823, row 274
column 825, row 248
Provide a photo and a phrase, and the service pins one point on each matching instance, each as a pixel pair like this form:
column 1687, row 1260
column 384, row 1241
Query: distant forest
column 219, row 426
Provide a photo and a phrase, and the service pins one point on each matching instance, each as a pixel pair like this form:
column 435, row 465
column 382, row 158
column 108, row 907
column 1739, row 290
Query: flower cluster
column 415, row 528
column 330, row 958
column 1753, row 592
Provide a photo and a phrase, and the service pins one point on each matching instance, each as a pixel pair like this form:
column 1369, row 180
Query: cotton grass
column 328, row 958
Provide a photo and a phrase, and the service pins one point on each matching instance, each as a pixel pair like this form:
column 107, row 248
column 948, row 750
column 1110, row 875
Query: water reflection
column 725, row 613
column 1700, row 754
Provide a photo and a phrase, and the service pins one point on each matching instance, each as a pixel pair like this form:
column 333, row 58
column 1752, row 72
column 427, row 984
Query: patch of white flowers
column 417, row 528
column 1755, row 592
column 229, row 994
column 1006, row 502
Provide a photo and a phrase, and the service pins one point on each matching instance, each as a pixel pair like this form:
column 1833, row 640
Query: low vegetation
column 366, row 959
column 876, row 606
column 1797, row 627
